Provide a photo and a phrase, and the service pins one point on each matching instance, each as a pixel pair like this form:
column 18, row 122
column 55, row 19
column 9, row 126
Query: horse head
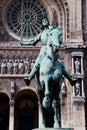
column 54, row 39
column 53, row 42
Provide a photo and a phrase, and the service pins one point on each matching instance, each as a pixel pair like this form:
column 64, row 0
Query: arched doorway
column 4, row 111
column 26, row 110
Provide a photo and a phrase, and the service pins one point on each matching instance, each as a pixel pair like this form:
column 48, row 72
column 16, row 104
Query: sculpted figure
column 77, row 89
column 10, row 67
column 32, row 64
column 27, row 67
column 21, row 67
column 44, row 38
column 15, row 67
column 4, row 67
column 50, row 68
column 77, row 66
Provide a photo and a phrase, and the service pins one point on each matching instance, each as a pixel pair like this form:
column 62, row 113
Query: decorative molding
column 17, row 61
column 78, row 100
column 78, row 72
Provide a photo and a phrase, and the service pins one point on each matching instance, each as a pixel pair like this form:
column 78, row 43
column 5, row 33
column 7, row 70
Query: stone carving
column 15, row 65
column 4, row 67
column 21, row 67
column 77, row 66
column 27, row 66
column 10, row 67
column 12, row 86
column 32, row 64
column 77, row 89
column 13, row 90
column 63, row 87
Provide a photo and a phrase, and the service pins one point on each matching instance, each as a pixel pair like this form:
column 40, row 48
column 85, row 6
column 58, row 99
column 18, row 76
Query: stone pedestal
column 53, row 129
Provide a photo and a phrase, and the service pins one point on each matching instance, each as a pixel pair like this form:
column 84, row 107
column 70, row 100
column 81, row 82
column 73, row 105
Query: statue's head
column 45, row 22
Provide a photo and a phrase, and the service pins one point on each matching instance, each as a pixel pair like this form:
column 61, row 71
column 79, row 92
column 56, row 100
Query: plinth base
column 53, row 129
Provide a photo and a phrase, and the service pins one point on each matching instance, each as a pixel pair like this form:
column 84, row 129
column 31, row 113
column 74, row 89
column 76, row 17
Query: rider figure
column 43, row 37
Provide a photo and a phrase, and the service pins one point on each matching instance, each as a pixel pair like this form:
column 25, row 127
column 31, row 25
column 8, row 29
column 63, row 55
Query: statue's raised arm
column 32, row 42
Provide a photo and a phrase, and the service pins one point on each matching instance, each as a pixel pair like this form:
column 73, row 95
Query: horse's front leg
column 56, row 105
column 46, row 100
column 56, row 113
column 40, row 93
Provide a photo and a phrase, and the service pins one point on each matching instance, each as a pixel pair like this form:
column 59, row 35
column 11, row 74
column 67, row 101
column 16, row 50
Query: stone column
column 82, row 65
column 40, row 116
column 78, row 14
column 11, row 120
column 72, row 65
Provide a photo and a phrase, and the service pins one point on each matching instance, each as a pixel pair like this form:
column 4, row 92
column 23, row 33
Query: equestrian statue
column 48, row 70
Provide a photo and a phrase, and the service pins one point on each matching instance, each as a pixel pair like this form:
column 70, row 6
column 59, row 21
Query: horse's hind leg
column 56, row 113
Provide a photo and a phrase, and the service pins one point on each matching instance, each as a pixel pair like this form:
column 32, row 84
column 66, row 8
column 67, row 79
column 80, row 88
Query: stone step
column 53, row 129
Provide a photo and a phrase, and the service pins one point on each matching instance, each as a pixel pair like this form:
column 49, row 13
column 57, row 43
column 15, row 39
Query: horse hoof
column 56, row 125
column 43, row 125
column 46, row 102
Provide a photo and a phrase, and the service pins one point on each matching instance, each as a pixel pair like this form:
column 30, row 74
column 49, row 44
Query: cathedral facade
column 20, row 20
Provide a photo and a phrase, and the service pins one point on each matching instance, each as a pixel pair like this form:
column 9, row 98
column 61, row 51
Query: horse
column 49, row 78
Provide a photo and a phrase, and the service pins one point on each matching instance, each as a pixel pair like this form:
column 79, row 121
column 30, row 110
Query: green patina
column 48, row 70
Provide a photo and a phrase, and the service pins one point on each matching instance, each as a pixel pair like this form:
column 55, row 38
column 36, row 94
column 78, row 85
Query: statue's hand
column 26, row 43
column 23, row 43
column 27, row 81
column 31, row 42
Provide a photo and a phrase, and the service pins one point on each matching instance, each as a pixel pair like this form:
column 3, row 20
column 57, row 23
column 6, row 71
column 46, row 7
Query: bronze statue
column 48, row 70
column 44, row 38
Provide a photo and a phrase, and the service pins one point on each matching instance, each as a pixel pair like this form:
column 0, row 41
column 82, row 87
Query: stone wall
column 69, row 16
